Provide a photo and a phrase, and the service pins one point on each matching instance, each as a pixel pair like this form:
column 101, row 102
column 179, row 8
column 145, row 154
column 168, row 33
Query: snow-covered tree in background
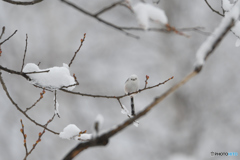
column 81, row 85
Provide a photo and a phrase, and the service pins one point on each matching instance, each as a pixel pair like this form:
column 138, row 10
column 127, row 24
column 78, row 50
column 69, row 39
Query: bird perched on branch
column 132, row 85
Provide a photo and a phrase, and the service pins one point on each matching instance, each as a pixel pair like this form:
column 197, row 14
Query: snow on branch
column 213, row 40
column 56, row 78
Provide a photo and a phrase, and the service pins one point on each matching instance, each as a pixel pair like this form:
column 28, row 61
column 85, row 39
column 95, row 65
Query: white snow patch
column 56, row 107
column 226, row 5
column 56, row 78
column 70, row 132
column 145, row 12
column 73, row 132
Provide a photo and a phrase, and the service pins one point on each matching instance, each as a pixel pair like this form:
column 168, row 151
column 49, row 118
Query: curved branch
column 18, row 108
column 213, row 9
column 23, row 3
column 115, row 97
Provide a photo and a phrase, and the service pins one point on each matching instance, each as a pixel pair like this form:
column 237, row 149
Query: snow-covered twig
column 25, row 51
column 23, row 3
column 82, row 40
column 212, row 41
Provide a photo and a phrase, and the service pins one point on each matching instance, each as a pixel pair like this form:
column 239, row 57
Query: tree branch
column 23, row 3
column 19, row 109
column 8, row 38
column 107, row 8
column 213, row 9
column 103, row 139
column 115, row 97
column 99, row 19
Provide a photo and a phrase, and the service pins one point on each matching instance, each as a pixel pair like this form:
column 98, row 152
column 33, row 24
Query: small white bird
column 132, row 85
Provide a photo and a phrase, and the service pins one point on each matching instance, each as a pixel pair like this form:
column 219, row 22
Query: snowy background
column 200, row 117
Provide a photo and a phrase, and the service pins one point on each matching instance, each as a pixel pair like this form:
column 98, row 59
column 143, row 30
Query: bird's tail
column 132, row 106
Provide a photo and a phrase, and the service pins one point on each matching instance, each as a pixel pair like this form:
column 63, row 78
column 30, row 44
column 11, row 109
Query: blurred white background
column 200, row 117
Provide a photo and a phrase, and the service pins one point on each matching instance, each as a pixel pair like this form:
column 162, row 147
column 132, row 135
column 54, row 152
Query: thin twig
column 39, row 137
column 213, row 9
column 82, row 40
column 41, row 97
column 19, row 109
column 24, row 137
column 25, row 51
column 99, row 19
column 146, row 81
column 8, row 37
column 3, row 30
column 129, row 116
column 115, row 97
column 196, row 29
column 23, row 3
column 108, row 8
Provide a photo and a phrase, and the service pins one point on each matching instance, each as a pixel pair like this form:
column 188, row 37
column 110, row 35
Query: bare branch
column 3, row 30
column 108, row 8
column 213, row 9
column 8, row 38
column 24, row 137
column 19, row 109
column 23, row 3
column 196, row 29
column 41, row 97
column 25, row 51
column 99, row 19
column 114, row 97
column 82, row 40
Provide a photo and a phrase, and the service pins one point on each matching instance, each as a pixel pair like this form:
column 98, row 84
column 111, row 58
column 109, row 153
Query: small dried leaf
column 21, row 130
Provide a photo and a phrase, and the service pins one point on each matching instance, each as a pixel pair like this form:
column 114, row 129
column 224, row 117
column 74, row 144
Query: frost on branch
column 73, row 132
column 145, row 12
column 55, row 78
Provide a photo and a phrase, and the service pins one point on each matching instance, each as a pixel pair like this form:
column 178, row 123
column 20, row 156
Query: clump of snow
column 145, row 12
column 73, row 132
column 70, row 132
column 55, row 78
column 226, row 5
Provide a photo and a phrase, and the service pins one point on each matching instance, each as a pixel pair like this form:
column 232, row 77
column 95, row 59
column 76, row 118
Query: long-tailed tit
column 132, row 85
